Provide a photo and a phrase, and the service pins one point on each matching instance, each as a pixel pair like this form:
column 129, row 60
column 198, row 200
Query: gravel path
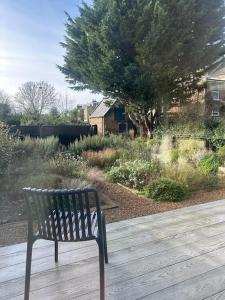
column 131, row 205
column 128, row 205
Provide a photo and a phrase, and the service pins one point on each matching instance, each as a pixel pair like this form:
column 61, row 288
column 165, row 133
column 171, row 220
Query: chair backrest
column 63, row 215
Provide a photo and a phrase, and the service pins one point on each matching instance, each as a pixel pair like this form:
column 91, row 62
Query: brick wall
column 99, row 122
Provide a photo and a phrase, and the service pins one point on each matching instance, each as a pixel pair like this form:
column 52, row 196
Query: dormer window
column 216, row 94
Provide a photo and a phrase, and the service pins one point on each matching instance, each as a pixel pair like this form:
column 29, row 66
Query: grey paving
column 177, row 255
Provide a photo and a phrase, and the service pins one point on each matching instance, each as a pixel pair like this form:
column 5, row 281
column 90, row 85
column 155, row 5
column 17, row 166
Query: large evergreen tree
column 144, row 53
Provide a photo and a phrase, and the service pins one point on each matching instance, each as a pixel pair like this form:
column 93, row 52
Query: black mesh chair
column 65, row 216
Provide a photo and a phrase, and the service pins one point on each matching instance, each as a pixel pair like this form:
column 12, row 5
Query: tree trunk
column 145, row 121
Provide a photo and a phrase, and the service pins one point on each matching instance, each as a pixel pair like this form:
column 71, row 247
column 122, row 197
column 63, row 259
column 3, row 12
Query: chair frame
column 37, row 195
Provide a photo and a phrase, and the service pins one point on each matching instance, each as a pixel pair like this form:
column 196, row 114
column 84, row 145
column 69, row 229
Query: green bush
column 221, row 153
column 165, row 189
column 174, row 153
column 209, row 165
column 7, row 146
column 135, row 174
column 96, row 143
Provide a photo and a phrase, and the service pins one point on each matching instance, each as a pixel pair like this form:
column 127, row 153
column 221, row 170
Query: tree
column 34, row 98
column 4, row 97
column 5, row 108
column 147, row 54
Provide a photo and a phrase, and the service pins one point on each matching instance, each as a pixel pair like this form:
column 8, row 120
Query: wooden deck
column 177, row 255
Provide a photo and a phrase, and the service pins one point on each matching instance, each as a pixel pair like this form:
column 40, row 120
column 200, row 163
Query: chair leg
column 105, row 240
column 56, row 251
column 28, row 269
column 101, row 269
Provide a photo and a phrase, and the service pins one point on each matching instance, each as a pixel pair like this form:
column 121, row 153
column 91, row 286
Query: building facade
column 215, row 92
column 109, row 118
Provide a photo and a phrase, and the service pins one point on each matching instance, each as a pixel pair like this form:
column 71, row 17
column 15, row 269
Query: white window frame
column 216, row 94
column 215, row 113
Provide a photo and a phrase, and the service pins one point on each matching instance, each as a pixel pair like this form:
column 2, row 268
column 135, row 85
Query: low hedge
column 165, row 189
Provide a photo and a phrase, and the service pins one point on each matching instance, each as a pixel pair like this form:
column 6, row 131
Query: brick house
column 215, row 92
column 210, row 102
column 109, row 118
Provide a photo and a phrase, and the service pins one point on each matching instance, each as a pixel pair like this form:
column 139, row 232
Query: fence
column 66, row 133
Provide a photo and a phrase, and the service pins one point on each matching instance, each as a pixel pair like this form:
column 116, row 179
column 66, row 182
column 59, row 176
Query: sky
column 30, row 33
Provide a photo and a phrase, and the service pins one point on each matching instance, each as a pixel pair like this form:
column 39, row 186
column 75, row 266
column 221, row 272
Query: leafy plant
column 221, row 153
column 174, row 153
column 209, row 165
column 135, row 174
column 165, row 189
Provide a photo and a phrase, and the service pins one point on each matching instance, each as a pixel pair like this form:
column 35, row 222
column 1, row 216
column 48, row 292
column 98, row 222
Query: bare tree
column 4, row 97
column 34, row 98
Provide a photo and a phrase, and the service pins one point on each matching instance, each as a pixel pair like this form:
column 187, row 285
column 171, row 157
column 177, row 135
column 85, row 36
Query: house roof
column 218, row 72
column 101, row 110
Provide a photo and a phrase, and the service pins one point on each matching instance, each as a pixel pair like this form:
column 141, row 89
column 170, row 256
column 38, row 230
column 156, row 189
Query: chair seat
column 62, row 226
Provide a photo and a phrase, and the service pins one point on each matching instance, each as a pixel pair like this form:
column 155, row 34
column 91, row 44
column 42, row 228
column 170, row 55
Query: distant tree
column 76, row 115
column 147, row 54
column 5, row 108
column 4, row 97
column 34, row 98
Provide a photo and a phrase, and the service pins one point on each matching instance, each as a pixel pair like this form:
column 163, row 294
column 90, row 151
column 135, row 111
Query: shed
column 109, row 118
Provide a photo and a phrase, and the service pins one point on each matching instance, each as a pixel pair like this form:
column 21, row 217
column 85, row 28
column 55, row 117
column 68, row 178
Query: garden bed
column 120, row 203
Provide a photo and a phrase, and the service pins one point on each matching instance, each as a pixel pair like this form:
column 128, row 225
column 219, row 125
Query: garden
column 133, row 177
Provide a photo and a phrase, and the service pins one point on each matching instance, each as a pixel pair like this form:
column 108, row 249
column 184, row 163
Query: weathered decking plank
column 153, row 257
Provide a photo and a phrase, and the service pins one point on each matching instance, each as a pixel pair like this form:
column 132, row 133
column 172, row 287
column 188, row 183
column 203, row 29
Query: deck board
column 174, row 255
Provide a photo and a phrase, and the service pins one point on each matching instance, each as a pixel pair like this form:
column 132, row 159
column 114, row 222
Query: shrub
column 189, row 149
column 140, row 149
column 191, row 177
column 66, row 164
column 7, row 146
column 96, row 143
column 165, row 189
column 221, row 153
column 209, row 165
column 38, row 147
column 135, row 174
column 102, row 159
column 174, row 153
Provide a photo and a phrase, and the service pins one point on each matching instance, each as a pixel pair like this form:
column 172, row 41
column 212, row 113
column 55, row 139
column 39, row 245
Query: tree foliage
column 147, row 54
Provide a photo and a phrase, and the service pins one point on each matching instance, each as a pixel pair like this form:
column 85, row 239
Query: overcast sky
column 30, row 32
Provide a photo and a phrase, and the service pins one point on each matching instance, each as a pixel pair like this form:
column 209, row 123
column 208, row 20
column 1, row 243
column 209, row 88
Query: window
column 216, row 94
column 215, row 113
